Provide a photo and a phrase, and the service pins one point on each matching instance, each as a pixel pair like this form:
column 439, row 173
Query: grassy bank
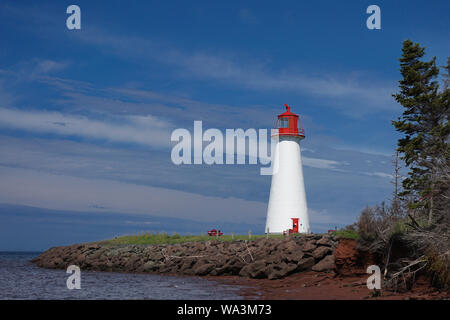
column 163, row 238
column 346, row 234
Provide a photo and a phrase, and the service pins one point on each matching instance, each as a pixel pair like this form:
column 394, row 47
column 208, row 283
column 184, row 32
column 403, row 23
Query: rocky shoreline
column 295, row 267
column 257, row 259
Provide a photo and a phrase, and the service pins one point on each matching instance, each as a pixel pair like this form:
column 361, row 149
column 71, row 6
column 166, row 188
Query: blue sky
column 86, row 115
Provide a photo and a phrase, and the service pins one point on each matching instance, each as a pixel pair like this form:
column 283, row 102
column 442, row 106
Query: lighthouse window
column 283, row 123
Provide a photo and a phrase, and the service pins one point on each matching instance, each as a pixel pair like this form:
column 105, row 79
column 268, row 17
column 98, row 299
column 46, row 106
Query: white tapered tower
column 287, row 210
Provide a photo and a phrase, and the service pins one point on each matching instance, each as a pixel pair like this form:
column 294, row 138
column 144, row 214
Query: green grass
column 163, row 238
column 346, row 234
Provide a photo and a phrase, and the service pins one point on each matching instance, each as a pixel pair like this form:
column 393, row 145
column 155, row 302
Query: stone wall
column 261, row 258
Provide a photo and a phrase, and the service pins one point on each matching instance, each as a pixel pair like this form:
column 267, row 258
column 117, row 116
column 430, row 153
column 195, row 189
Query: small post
column 232, row 235
column 267, row 233
column 203, row 233
column 249, row 234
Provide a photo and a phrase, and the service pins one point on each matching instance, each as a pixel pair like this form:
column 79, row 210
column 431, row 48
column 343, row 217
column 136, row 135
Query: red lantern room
column 288, row 124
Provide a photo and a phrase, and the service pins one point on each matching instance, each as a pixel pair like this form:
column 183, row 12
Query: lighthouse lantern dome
column 288, row 124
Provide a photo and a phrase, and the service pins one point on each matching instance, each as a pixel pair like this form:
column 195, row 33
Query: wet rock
column 232, row 267
column 149, row 266
column 256, row 270
column 187, row 264
column 203, row 269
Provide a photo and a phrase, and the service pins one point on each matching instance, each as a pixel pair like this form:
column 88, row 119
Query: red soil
column 347, row 283
column 323, row 286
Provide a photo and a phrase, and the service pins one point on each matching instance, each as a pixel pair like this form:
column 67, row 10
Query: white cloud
column 49, row 66
column 379, row 174
column 349, row 93
column 146, row 130
column 51, row 191
column 254, row 76
column 319, row 163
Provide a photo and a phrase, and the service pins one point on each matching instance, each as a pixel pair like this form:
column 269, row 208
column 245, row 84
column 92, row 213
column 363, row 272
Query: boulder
column 325, row 264
column 310, row 245
column 149, row 266
column 96, row 254
column 281, row 270
column 231, row 267
column 80, row 258
column 256, row 270
column 325, row 241
column 187, row 264
column 275, row 257
column 320, row 252
column 289, row 246
column 245, row 271
column 293, row 257
column 305, row 263
column 203, row 269
column 58, row 262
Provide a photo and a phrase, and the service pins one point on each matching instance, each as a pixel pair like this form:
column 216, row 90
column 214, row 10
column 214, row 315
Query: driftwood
column 406, row 273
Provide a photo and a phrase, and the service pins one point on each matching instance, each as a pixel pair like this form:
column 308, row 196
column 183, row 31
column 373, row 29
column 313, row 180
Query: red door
column 294, row 225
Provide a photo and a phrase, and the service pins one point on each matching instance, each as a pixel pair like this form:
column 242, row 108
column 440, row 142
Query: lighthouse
column 287, row 210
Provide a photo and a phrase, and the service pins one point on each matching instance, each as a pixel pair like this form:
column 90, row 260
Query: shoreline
column 314, row 267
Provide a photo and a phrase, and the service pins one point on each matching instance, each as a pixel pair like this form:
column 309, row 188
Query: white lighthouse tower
column 287, row 210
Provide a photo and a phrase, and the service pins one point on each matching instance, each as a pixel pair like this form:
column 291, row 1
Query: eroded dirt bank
column 346, row 281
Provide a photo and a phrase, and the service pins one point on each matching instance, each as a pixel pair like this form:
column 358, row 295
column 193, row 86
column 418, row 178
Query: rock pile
column 261, row 258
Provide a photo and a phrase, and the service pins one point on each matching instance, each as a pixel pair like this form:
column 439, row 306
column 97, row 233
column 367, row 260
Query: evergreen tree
column 425, row 125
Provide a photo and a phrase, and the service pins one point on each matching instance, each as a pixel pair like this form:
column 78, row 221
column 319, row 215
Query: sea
column 20, row 279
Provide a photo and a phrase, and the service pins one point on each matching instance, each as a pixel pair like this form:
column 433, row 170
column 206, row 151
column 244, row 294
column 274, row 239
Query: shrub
column 176, row 236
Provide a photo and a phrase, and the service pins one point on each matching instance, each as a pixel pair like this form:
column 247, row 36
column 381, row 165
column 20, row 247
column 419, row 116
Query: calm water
column 19, row 279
